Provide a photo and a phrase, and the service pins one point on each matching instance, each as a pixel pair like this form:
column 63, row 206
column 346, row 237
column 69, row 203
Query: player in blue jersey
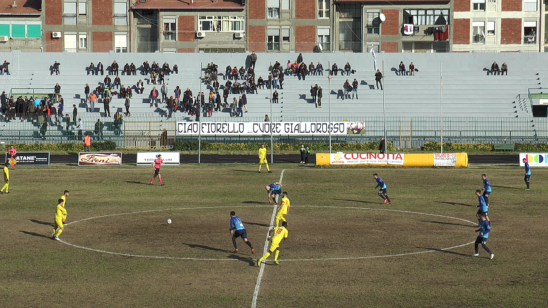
column 527, row 172
column 484, row 230
column 382, row 191
column 237, row 229
column 483, row 207
column 486, row 188
column 272, row 190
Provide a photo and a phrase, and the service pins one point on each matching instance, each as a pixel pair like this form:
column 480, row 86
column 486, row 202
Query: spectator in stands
column 153, row 97
column 494, row 69
column 3, row 101
column 300, row 58
column 347, row 69
column 154, row 67
column 302, row 72
column 146, row 68
column 378, row 78
column 382, row 146
column 55, row 68
column 177, row 93
column 165, row 69
column 314, row 93
column 250, row 73
column 215, row 85
column 161, row 77
column 260, row 83
column 240, row 107
column 79, row 127
column 122, row 92
column 228, row 72
column 401, row 69
column 153, row 77
column 99, row 129
column 133, row 69
column 74, row 113
column 412, row 69
column 5, row 68
column 275, row 97
column 164, row 90
column 235, row 73
column 129, row 92
column 92, row 101
column 242, row 72
column 57, row 91
column 170, row 106
column 126, row 70
column 244, row 101
column 139, row 87
column 118, row 120
column 114, row 68
column 334, row 69
column 107, row 82
column 106, row 106
column 252, row 60
column 319, row 69
column 266, row 118
column 320, row 95
column 311, row 69
column 275, row 75
column 253, row 87
column 504, row 69
column 100, row 68
column 86, row 91
column 126, row 104
column 100, row 91
column 91, row 69
column 355, row 88
column 175, row 69
column 347, row 88
column 117, row 83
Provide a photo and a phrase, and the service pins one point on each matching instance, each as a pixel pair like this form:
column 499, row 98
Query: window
column 350, row 35
column 170, row 29
column 529, row 32
column 426, row 17
column 69, row 13
column 221, row 23
column 82, row 8
column 120, row 13
column 18, row 31
column 273, row 8
column 285, row 34
column 21, row 29
column 478, row 32
column 373, row 22
column 83, row 41
column 120, row 43
column 490, row 28
column 529, row 5
column 285, row 5
column 5, row 30
column 323, row 8
column 170, row 50
column 70, row 42
column 478, row 5
column 350, row 10
column 273, row 39
column 323, row 39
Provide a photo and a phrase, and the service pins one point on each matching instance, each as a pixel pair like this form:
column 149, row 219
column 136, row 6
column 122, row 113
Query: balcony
column 273, row 46
column 529, row 39
column 120, row 19
column 325, row 46
column 479, row 39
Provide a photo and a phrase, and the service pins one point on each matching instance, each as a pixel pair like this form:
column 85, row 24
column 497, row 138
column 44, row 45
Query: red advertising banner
column 99, row 159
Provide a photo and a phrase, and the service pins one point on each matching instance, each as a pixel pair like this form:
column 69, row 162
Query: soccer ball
column 169, row 221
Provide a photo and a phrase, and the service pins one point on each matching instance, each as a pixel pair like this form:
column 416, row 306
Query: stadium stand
column 494, row 105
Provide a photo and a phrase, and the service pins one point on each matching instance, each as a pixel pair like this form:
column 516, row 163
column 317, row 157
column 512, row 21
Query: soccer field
column 345, row 247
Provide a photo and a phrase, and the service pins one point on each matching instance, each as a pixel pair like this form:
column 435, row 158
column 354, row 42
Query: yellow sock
column 260, row 167
column 267, row 169
column 59, row 231
column 276, row 255
column 266, row 255
column 53, row 232
column 5, row 188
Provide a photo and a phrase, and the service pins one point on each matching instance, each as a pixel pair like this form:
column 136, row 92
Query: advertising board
column 341, row 158
column 534, row 159
column 31, row 159
column 99, row 159
column 170, row 158
column 445, row 159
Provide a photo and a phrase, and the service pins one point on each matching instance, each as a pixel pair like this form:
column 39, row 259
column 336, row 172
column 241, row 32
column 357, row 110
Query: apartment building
column 20, row 25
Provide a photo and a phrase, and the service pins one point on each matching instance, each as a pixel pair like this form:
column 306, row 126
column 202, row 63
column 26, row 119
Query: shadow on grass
column 254, row 202
column 448, row 223
column 359, row 201
column 454, row 203
column 446, row 251
column 248, row 260
column 42, row 222
column 506, row 187
column 35, row 234
column 249, row 171
column 256, row 224
column 136, row 182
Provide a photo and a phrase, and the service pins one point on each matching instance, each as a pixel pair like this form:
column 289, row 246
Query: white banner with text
column 147, row 158
column 445, row 159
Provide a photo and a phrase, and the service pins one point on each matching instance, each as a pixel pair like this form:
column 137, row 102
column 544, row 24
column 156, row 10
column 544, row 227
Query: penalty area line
column 261, row 270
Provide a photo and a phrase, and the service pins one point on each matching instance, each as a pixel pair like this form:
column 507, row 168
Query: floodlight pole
column 200, row 120
column 329, row 101
column 271, row 138
column 441, row 109
column 383, row 108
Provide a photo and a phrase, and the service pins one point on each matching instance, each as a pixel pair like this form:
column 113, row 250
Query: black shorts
column 482, row 213
column 382, row 191
column 527, row 177
column 156, row 172
column 481, row 240
column 486, row 194
column 242, row 233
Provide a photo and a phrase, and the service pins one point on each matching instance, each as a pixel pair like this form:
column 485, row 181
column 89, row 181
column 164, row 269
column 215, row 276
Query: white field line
column 261, row 270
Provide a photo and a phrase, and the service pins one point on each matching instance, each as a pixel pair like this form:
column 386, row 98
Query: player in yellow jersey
column 64, row 198
column 284, row 208
column 6, row 179
column 60, row 217
column 262, row 159
column 276, row 236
